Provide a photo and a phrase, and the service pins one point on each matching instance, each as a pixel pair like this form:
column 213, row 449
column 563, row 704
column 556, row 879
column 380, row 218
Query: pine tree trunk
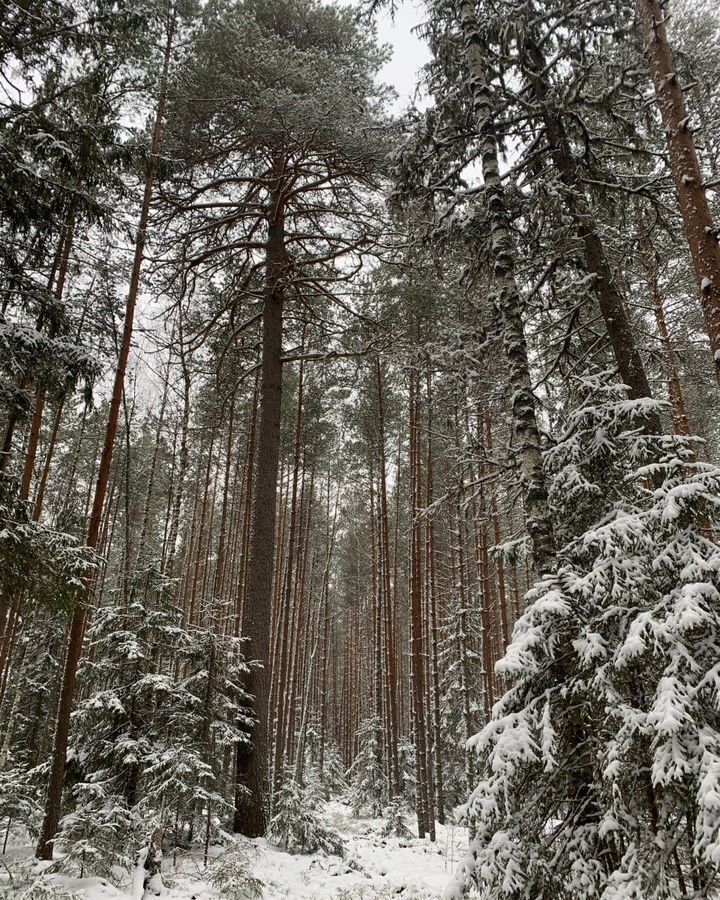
column 285, row 700
column 417, row 660
column 376, row 594
column 248, row 473
column 325, row 599
column 219, row 576
column 433, row 623
column 77, row 625
column 700, row 230
column 170, row 550
column 39, row 498
column 610, row 300
column 190, row 616
column 253, row 758
column 59, row 268
column 391, row 660
column 457, row 558
column 675, row 392
column 300, row 615
column 141, row 555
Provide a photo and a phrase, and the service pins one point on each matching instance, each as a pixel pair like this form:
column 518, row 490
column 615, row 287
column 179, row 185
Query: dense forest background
column 348, row 451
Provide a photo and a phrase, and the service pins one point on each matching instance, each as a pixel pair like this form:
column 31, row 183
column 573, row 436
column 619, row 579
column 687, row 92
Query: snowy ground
column 374, row 868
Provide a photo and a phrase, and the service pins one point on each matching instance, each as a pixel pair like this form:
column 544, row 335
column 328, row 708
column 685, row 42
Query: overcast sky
column 409, row 52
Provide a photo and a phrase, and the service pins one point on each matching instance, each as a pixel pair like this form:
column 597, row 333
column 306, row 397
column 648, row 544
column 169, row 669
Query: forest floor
column 375, row 867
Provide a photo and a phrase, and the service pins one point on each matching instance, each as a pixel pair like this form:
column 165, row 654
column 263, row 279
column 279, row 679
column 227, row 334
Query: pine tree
column 300, row 174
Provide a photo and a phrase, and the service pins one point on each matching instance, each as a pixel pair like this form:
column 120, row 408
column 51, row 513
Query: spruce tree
column 633, row 610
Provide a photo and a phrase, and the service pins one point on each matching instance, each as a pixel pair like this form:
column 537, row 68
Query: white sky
column 409, row 52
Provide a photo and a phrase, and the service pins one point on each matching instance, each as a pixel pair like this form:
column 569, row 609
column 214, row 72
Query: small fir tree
column 296, row 824
column 368, row 783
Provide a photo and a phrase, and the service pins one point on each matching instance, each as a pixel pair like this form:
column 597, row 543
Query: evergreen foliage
column 296, row 824
column 368, row 784
column 599, row 760
column 231, row 874
column 396, row 821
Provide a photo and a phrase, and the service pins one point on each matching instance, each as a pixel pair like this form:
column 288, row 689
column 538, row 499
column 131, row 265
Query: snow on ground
column 374, row 868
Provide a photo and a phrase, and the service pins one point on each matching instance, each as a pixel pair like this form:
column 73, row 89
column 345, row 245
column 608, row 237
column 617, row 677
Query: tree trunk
column 77, row 625
column 433, row 623
column 289, row 600
column 252, row 818
column 391, row 659
column 417, row 661
column 169, row 560
column 610, row 300
column 524, row 418
column 697, row 218
column 681, row 424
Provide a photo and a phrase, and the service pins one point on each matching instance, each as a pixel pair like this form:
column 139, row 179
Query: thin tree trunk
column 247, row 507
column 675, row 392
column 288, row 606
column 77, row 625
column 417, row 661
column 222, row 538
column 297, row 659
column 499, row 563
column 610, row 300
column 432, row 620
column 391, row 661
column 325, row 599
column 45, row 473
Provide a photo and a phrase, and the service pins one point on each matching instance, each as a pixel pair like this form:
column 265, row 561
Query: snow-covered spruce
column 231, row 874
column 396, row 821
column 164, row 706
column 297, row 825
column 601, row 764
column 368, row 784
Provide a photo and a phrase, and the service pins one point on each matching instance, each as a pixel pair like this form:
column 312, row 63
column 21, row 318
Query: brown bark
column 300, row 615
column 610, row 300
column 675, row 392
column 433, row 622
column 77, row 624
column 36, row 423
column 39, row 499
column 168, row 564
column 60, row 268
column 219, row 576
column 417, row 653
column 700, row 230
column 390, row 656
column 249, row 469
column 288, row 594
column 252, row 817
column 376, row 596
column 198, row 555
column 457, row 563
column 325, row 601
